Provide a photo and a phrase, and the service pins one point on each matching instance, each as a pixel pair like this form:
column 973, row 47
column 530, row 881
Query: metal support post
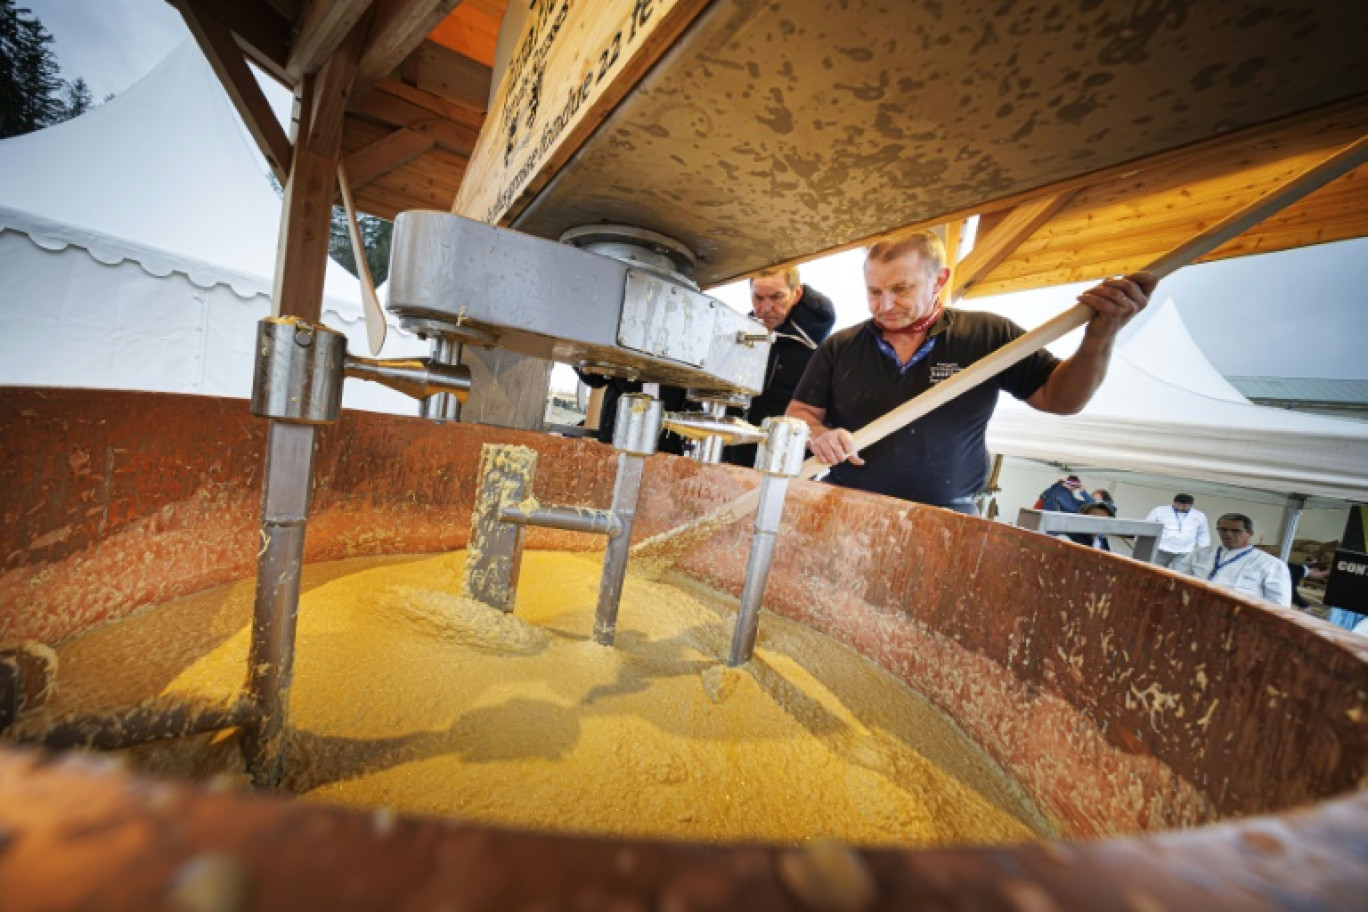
column 634, row 435
column 446, row 352
column 710, row 447
column 1291, row 516
column 780, row 457
column 625, row 493
column 270, row 663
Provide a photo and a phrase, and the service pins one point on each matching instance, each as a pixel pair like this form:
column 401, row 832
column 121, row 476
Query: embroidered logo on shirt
column 943, row 370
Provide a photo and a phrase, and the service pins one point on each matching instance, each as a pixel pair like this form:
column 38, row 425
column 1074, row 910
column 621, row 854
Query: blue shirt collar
column 888, row 352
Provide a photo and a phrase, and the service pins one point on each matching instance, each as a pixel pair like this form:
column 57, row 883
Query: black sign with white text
column 1347, row 586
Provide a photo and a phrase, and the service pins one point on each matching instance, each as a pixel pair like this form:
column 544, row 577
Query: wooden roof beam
column 1019, row 224
column 1309, row 181
column 323, row 26
column 386, row 155
column 335, row 86
column 262, row 33
column 450, row 76
column 389, row 104
column 391, row 98
column 227, row 60
column 398, row 28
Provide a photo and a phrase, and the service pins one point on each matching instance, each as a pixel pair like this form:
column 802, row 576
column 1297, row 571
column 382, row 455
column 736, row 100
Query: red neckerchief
column 913, row 329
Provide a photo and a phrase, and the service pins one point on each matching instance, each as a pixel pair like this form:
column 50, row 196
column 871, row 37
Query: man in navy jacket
column 800, row 317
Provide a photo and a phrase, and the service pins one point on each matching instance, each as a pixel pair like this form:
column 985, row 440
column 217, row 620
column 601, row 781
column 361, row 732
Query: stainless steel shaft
column 778, row 458
column 446, row 351
column 635, row 436
column 270, row 665
column 625, row 493
column 710, row 447
column 420, row 378
column 767, row 517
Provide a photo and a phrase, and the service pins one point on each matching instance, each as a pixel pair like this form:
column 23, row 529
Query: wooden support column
column 306, row 218
column 593, row 416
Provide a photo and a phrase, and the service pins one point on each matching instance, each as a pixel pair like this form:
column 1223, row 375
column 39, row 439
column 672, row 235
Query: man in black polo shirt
column 800, row 317
column 912, row 343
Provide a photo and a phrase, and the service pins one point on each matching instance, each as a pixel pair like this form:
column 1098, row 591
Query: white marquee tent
column 1165, row 410
column 138, row 247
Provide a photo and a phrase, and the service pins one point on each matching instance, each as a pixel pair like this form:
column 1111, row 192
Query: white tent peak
column 1163, row 348
column 138, row 248
column 166, row 165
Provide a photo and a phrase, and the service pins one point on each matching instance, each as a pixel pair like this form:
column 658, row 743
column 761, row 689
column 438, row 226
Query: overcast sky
column 110, row 43
column 1296, row 314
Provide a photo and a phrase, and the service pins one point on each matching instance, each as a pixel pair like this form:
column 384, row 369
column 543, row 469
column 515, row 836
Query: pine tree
column 29, row 80
column 12, row 91
column 78, row 99
column 375, row 233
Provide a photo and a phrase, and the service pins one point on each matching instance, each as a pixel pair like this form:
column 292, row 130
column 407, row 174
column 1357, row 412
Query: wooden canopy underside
column 1089, row 139
column 1118, row 223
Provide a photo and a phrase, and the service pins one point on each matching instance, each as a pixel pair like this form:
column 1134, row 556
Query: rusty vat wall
column 1120, row 696
column 117, row 500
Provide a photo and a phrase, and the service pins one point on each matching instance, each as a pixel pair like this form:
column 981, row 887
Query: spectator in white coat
column 1236, row 564
column 1185, row 530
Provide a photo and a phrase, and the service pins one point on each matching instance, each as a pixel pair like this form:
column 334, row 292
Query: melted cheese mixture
column 409, row 696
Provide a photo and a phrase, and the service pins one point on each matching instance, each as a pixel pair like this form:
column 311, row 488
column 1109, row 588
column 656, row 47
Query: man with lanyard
column 912, row 343
column 800, row 317
column 1185, row 530
column 1236, row 564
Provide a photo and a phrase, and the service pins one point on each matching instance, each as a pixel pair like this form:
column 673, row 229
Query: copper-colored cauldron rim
column 78, row 834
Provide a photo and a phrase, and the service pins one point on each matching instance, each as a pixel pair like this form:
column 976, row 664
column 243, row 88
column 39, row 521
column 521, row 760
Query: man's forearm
column 1074, row 381
column 1072, row 384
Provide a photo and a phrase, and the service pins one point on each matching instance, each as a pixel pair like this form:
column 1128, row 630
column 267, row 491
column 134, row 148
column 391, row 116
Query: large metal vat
column 1122, row 698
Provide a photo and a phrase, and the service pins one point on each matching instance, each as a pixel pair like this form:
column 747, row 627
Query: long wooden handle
column 376, row 327
column 1338, row 164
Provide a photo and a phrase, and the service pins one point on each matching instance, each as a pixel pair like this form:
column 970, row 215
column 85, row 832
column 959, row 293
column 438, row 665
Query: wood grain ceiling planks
column 1120, row 224
column 431, row 96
